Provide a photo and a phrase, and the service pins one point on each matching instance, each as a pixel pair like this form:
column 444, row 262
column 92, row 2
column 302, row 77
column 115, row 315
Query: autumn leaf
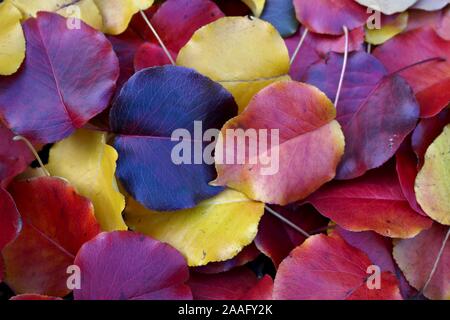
column 243, row 54
column 56, row 222
column 142, row 279
column 281, row 14
column 330, row 16
column 276, row 239
column 12, row 40
column 429, row 80
column 109, row 16
column 373, row 202
column 216, row 229
column 34, row 297
column 10, row 222
column 59, row 98
column 427, row 131
column 384, row 105
column 144, row 117
column 388, row 30
column 14, row 156
column 89, row 164
column 256, row 6
column 433, row 180
column 286, row 169
column 328, row 268
column 417, row 258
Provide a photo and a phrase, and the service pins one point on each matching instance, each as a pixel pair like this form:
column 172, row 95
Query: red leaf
column 373, row 202
column 330, row 16
column 324, row 43
column 430, row 80
column 376, row 111
column 124, row 265
column 14, row 156
column 379, row 251
column 67, row 78
column 56, row 222
column 276, row 239
column 426, row 131
column 439, row 20
column 416, row 258
column 151, row 55
column 237, row 284
column 10, row 222
column 328, row 268
column 406, row 165
column 126, row 46
column 177, row 20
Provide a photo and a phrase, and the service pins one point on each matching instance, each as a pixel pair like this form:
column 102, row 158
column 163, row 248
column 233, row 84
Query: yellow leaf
column 117, row 14
column 244, row 55
column 433, row 181
column 86, row 10
column 88, row 163
column 216, row 230
column 12, row 40
column 387, row 31
column 257, row 6
column 110, row 16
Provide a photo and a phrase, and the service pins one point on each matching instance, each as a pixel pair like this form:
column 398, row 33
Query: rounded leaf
column 12, row 50
column 330, row 16
column 328, row 268
column 243, row 54
column 124, row 265
column 58, row 97
column 154, row 110
column 56, row 222
column 216, row 229
column 283, row 147
column 433, row 181
column 89, row 164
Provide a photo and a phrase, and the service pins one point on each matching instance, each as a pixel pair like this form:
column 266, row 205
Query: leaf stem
column 163, row 46
column 438, row 59
column 369, row 48
column 300, row 43
column 344, row 66
column 288, row 222
column 35, row 153
column 438, row 258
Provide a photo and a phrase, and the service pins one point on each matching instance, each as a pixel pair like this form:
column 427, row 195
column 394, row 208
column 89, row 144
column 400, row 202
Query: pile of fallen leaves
column 358, row 208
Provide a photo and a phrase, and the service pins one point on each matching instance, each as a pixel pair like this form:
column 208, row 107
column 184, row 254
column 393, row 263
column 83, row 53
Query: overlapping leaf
column 12, row 48
column 109, row 16
column 243, row 54
column 14, row 156
column 56, row 222
column 286, row 169
column 123, row 265
column 416, row 258
column 215, row 230
column 433, row 181
column 376, row 111
column 373, row 202
column 281, row 14
column 328, row 268
column 430, row 80
column 334, row 15
column 89, row 164
column 49, row 98
column 150, row 107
